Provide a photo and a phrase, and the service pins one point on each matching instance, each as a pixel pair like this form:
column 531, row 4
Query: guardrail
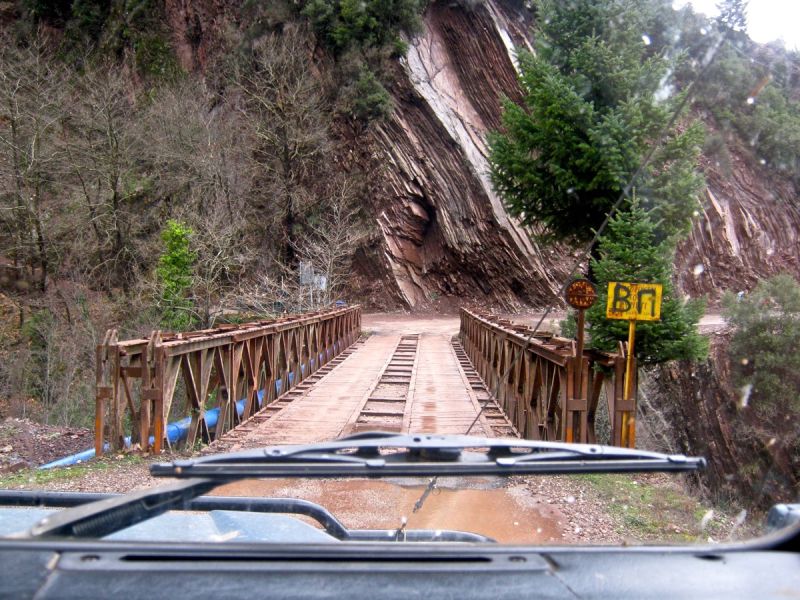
column 251, row 363
column 546, row 390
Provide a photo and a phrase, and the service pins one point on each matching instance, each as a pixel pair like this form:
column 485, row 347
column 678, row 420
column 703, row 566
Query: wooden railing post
column 543, row 382
column 219, row 367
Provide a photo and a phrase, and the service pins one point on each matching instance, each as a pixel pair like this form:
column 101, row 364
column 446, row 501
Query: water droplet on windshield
column 698, row 270
column 744, row 398
column 646, row 39
column 706, row 519
column 750, row 100
column 570, row 499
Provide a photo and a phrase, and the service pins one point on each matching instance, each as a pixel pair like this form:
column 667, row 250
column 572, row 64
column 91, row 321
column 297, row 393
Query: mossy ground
column 657, row 508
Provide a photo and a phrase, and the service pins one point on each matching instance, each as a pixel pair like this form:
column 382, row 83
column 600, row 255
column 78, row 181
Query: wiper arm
column 103, row 514
column 104, row 517
column 382, row 454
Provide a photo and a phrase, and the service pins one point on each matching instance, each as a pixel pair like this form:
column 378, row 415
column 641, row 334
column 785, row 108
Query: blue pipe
column 180, row 429
column 175, row 432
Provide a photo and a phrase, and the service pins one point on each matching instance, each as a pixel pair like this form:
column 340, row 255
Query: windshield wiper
column 374, row 454
column 380, row 454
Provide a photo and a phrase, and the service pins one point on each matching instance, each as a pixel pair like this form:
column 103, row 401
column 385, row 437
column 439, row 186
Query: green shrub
column 341, row 24
column 765, row 350
column 366, row 99
column 174, row 273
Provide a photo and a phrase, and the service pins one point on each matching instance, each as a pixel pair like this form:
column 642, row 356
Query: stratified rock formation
column 446, row 233
column 749, row 229
column 442, row 232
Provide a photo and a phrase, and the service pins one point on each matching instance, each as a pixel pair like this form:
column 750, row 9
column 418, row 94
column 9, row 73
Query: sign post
column 632, row 302
column 580, row 295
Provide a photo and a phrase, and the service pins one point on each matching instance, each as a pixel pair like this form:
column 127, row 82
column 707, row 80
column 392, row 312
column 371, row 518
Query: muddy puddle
column 508, row 514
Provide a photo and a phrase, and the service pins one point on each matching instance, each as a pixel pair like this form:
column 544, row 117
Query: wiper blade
column 380, row 454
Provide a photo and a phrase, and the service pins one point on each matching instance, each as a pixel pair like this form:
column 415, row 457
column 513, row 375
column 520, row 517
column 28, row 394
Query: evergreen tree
column 594, row 105
column 764, row 350
column 765, row 368
column 174, row 272
column 630, row 252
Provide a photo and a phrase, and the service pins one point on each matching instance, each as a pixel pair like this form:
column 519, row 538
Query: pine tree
column 174, row 272
column 592, row 111
column 629, row 252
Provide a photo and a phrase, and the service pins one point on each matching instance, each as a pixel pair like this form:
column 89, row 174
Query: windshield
column 236, row 227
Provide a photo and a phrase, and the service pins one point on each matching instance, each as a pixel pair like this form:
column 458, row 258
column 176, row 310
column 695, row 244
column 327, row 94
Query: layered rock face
column 749, row 229
column 446, row 233
column 442, row 232
column 697, row 408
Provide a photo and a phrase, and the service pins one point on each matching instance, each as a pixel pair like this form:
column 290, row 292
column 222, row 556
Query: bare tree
column 332, row 239
column 285, row 102
column 103, row 157
column 199, row 149
column 324, row 252
column 31, row 160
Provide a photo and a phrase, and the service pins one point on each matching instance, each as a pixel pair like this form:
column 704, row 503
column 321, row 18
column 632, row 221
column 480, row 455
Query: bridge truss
column 547, row 391
column 232, row 371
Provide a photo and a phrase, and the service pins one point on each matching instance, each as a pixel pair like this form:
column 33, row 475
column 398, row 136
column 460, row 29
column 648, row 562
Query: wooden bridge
column 315, row 377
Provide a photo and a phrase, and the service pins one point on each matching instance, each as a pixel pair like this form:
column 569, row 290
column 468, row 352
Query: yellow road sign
column 634, row 301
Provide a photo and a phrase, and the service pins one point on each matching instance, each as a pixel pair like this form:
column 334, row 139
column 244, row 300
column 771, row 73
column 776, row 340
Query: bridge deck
column 396, row 380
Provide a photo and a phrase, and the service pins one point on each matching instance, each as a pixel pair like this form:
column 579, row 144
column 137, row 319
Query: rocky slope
column 443, row 233
column 701, row 414
column 749, row 229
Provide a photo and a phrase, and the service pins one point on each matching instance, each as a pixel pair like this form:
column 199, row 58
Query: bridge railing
column 538, row 382
column 227, row 374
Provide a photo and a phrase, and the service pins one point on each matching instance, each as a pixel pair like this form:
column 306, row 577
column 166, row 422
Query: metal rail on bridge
column 251, row 363
column 538, row 384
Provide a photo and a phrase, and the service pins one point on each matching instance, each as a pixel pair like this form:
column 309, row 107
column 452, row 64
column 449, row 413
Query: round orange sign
column 581, row 294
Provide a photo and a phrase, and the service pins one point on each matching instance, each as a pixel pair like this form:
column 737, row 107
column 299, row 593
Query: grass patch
column 41, row 477
column 655, row 508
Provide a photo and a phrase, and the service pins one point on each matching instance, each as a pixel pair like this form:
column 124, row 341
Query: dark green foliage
column 764, row 356
column 765, row 350
column 100, row 28
column 174, row 272
column 629, row 251
column 589, row 118
column 366, row 99
column 751, row 90
column 750, row 100
column 89, row 17
column 363, row 36
column 53, row 12
column 341, row 24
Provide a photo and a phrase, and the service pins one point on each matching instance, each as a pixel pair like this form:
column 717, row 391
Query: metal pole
column 577, row 392
column 629, row 417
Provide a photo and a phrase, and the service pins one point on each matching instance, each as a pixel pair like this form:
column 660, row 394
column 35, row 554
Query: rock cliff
column 749, row 229
column 445, row 232
column 442, row 230
column 701, row 414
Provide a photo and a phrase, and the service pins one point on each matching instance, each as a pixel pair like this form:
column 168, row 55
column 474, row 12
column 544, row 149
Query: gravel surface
column 24, row 443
